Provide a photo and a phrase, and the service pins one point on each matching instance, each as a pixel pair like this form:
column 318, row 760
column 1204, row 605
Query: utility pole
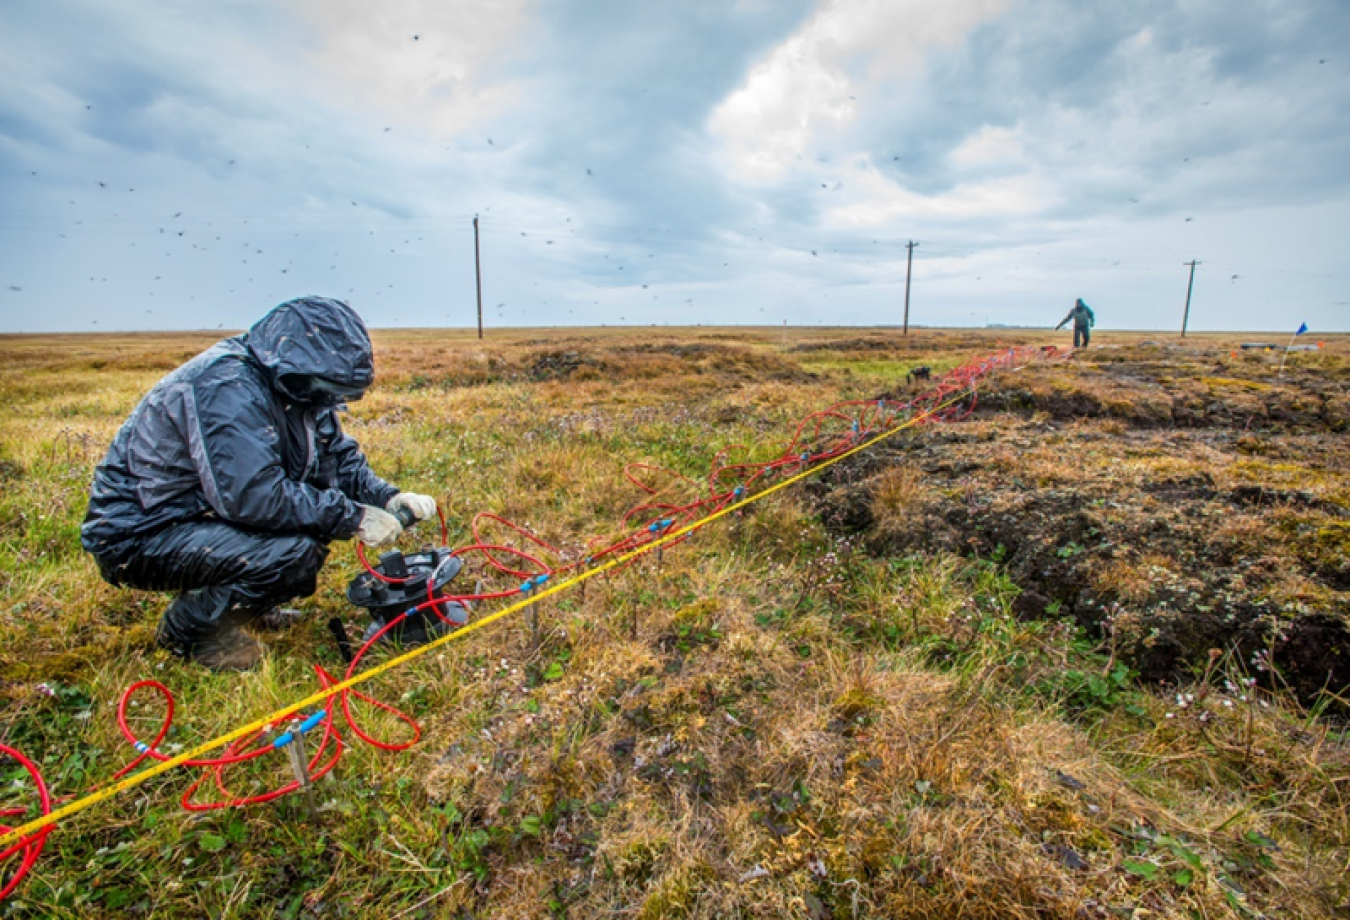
column 1185, row 317
column 478, row 275
column 909, row 271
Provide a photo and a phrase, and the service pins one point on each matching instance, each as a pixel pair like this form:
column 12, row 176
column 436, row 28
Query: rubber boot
column 229, row 649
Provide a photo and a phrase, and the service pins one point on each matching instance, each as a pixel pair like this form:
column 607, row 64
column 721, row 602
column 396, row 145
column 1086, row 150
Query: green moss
column 676, row 894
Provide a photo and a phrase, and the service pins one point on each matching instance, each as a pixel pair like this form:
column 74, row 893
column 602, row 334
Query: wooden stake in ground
column 295, row 750
column 532, row 618
column 633, row 624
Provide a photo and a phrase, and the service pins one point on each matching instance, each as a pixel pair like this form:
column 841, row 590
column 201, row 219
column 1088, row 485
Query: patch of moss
column 677, row 892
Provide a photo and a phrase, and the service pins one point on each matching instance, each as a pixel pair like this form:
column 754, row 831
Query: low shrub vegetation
column 952, row 679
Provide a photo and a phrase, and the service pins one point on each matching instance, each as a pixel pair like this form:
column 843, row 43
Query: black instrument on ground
column 417, row 578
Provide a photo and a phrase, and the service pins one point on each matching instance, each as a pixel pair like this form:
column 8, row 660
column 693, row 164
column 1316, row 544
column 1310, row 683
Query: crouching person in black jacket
column 232, row 475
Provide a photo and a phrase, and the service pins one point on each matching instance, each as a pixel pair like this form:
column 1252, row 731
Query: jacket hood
column 313, row 337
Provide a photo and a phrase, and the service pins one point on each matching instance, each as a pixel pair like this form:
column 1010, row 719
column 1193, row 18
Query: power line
column 1185, row 317
column 478, row 275
column 909, row 269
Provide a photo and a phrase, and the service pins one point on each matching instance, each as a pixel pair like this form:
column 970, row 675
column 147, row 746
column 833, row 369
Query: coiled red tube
column 30, row 848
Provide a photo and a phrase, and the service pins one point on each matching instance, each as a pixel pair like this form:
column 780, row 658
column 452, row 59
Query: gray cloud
column 743, row 161
column 1226, row 100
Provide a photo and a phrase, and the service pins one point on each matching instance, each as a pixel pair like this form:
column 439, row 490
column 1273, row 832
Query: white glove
column 378, row 527
column 421, row 506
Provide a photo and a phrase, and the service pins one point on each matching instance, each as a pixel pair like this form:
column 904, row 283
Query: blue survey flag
column 1302, row 328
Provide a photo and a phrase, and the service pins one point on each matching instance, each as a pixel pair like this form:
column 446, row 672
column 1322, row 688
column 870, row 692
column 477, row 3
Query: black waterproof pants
column 1081, row 335
column 223, row 575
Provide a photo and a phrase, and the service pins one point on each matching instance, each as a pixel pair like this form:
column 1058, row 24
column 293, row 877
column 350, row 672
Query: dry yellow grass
column 773, row 722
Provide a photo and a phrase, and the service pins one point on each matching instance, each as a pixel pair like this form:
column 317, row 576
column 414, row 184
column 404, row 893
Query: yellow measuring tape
column 135, row 779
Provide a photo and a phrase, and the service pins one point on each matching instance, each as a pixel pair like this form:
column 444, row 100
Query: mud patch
column 559, row 365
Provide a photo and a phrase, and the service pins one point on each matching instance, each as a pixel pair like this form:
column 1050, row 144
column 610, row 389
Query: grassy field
column 963, row 677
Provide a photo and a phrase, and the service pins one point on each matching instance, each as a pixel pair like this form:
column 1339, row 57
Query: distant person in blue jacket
column 1083, row 321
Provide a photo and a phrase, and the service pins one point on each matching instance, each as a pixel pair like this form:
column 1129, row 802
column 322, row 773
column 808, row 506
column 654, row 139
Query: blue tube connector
column 531, row 583
column 660, row 525
column 308, row 724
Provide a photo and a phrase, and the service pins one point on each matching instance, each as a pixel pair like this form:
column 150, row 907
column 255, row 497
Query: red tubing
column 29, row 847
column 243, row 750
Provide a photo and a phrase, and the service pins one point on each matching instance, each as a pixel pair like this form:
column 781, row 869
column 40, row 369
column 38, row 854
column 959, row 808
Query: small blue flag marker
column 1302, row 328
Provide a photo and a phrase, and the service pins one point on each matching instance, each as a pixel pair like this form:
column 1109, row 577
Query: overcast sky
column 172, row 165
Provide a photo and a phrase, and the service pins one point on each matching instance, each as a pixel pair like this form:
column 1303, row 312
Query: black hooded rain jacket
column 222, row 439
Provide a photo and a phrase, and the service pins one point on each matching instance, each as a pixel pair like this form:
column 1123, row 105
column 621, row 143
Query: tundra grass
column 771, row 722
